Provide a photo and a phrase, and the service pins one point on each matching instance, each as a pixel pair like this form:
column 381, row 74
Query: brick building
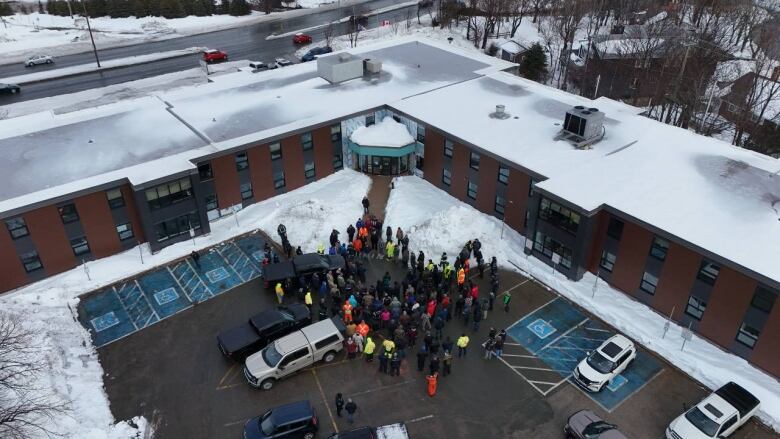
column 651, row 209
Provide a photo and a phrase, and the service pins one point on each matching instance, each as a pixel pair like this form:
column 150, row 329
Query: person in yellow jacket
column 369, row 349
column 307, row 299
column 389, row 347
column 463, row 343
column 430, row 266
column 320, row 249
column 447, row 271
column 279, row 292
column 389, row 248
column 461, row 277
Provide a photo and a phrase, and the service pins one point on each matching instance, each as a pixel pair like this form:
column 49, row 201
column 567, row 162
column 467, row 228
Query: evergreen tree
column 171, row 9
column 118, row 8
column 41, row 9
column 239, row 7
column 199, row 8
column 140, row 8
column 224, row 7
column 5, row 9
column 96, row 8
column 534, row 65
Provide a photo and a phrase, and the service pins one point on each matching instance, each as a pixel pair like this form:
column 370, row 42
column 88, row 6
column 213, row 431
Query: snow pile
column 74, row 374
column 387, row 133
column 436, row 222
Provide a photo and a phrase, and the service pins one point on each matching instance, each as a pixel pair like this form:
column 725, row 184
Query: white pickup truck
column 717, row 416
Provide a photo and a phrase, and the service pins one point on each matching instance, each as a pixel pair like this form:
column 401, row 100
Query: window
column 308, row 170
column 559, row 216
column 276, row 150
column 176, row 226
column 211, row 202
column 420, row 133
column 115, row 199
column 527, row 217
column 205, row 172
column 615, row 228
column 503, row 174
column 279, row 180
column 79, row 246
column 370, row 120
column 531, row 188
column 763, row 299
column 242, row 161
column 607, row 260
column 246, row 191
column 708, row 272
column 31, row 261
column 446, row 177
column 326, row 342
column 68, row 213
column 335, row 133
column 649, row 283
column 659, row 248
column 306, row 141
column 548, row 246
column 338, row 161
column 448, row 145
column 500, row 205
column 169, row 193
column 17, row 227
column 695, row 307
column 125, row 231
column 748, row 335
column 474, row 161
column 471, row 191
column 638, row 63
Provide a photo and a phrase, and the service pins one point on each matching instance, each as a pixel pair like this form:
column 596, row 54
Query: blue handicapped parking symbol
column 166, row 296
column 217, row 275
column 105, row 321
column 541, row 329
column 617, row 383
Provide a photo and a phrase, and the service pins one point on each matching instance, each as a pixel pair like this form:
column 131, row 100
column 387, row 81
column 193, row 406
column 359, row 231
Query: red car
column 211, row 56
column 301, row 39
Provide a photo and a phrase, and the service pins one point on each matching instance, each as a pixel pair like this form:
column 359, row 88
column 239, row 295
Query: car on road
column 301, row 38
column 585, row 424
column 212, row 56
column 37, row 60
column 282, row 62
column 257, row 65
column 9, row 88
column 294, row 420
column 605, row 363
column 246, row 339
column 313, row 53
column 718, row 415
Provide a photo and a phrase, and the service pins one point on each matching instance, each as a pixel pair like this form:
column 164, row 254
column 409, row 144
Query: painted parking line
column 105, row 318
column 163, row 292
column 190, row 281
column 239, row 261
column 217, row 274
column 136, row 304
column 533, row 331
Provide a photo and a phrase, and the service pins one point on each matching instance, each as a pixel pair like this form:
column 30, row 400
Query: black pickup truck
column 302, row 265
column 246, row 339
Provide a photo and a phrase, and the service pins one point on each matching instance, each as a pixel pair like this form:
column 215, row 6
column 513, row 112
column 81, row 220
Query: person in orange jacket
column 461, row 276
column 347, row 308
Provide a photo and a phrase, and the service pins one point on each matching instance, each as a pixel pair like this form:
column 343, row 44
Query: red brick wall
column 98, row 224
column 260, row 167
column 13, row 274
column 135, row 219
column 766, row 353
column 434, row 157
column 48, row 234
column 594, row 259
column 631, row 257
column 488, row 179
column 460, row 171
column 729, row 300
column 323, row 152
column 677, row 276
column 226, row 180
column 292, row 154
column 517, row 198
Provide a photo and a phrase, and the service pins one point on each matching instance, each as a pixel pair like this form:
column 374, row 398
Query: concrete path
column 378, row 194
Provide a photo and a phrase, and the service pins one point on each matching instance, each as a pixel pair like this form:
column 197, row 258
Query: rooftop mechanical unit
column 372, row 66
column 339, row 67
column 582, row 127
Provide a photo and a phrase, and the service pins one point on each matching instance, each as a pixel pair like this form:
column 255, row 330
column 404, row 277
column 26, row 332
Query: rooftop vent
column 372, row 66
column 339, row 68
column 500, row 113
column 582, row 127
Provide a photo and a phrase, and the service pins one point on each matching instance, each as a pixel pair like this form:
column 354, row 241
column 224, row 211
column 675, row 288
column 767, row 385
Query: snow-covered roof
column 387, row 133
column 701, row 190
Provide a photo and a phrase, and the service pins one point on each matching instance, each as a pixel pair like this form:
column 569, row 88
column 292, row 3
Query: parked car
column 605, row 363
column 302, row 265
column 9, row 88
column 257, row 65
column 392, row 431
column 587, row 425
column 212, row 56
column 294, row 420
column 281, row 62
column 244, row 340
column 301, row 39
column 718, row 415
column 38, row 59
column 319, row 341
column 312, row 54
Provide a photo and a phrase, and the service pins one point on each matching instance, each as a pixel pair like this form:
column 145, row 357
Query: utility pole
column 89, row 28
column 70, row 11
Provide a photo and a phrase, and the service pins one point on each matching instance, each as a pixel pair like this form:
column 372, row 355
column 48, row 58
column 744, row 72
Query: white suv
column 38, row 59
column 605, row 363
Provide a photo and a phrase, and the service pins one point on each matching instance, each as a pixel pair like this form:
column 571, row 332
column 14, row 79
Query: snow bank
column 387, row 132
column 74, row 374
column 436, row 222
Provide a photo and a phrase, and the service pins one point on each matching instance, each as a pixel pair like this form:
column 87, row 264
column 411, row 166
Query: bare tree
column 408, row 19
column 516, row 10
column 328, row 34
column 24, row 408
column 355, row 26
column 565, row 20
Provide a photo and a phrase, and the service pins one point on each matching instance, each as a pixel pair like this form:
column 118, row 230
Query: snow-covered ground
column 436, row 222
column 74, row 374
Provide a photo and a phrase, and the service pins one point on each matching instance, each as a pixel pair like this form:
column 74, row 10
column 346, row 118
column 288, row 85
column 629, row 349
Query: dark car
column 358, row 433
column 312, row 54
column 294, row 420
column 302, row 265
column 587, row 425
column 10, row 88
column 244, row 340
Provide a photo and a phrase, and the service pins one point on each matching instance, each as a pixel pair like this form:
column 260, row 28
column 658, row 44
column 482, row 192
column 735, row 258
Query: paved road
column 247, row 42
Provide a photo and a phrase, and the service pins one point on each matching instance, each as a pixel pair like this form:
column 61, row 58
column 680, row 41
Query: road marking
column 518, row 355
column 230, row 424
column 421, row 418
column 226, row 375
column 324, row 400
column 365, row 392
column 537, row 309
column 544, row 382
column 541, row 368
column 555, row 386
column 560, row 336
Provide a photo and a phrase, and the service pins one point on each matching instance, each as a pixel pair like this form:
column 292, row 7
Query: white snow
column 75, row 375
column 387, row 133
column 436, row 222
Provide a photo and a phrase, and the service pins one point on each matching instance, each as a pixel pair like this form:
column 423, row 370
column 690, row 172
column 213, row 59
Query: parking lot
column 173, row 373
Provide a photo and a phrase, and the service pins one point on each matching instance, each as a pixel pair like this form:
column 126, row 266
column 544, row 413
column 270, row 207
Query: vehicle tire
column 329, row 357
column 308, row 435
column 27, row 65
column 14, row 91
column 267, row 384
column 48, row 61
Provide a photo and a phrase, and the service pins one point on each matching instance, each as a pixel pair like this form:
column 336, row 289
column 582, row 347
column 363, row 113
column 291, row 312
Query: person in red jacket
column 431, row 307
column 474, row 291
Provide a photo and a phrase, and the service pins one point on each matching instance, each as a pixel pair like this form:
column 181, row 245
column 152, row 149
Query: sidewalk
column 379, row 194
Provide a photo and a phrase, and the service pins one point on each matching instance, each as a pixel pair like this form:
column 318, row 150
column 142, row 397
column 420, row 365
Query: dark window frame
column 500, row 208
column 80, row 246
column 370, row 120
column 646, row 285
column 692, row 309
column 115, row 202
column 531, row 187
column 338, row 161
column 72, row 215
column 242, row 161
column 335, row 133
column 421, row 135
column 276, row 151
column 31, row 261
column 12, row 229
column 279, row 177
column 123, row 236
column 309, row 173
column 605, row 262
column 705, row 272
column 749, row 340
column 659, row 248
column 205, row 171
column 474, row 159
column 559, row 216
column 246, row 193
column 307, row 141
column 449, row 148
column 503, row 174
column 183, row 193
column 615, row 228
column 472, row 194
column 549, row 246
column 175, row 226
column 446, row 177
column 763, row 299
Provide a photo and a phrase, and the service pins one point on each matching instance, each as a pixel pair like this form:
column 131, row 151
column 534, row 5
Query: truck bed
column 737, row 396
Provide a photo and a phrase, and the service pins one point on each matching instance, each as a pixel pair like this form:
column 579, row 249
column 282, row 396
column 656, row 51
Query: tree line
column 144, row 8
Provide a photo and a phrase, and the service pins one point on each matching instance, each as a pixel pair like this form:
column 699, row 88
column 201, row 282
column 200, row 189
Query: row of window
column 169, row 193
column 559, row 216
column 553, row 249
